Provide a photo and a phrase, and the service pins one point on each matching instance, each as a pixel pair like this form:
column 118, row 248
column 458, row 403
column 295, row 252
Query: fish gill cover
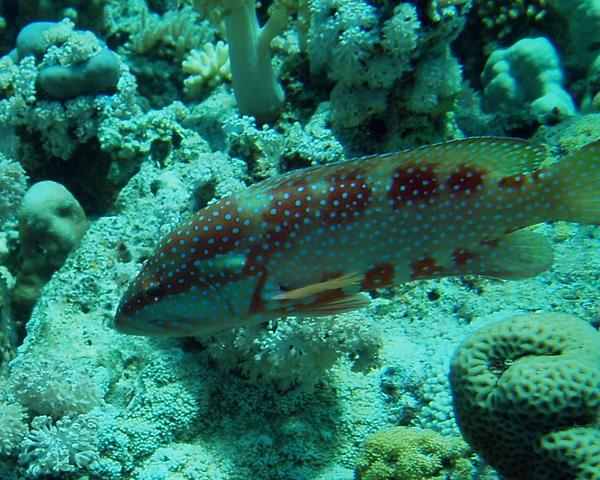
column 126, row 124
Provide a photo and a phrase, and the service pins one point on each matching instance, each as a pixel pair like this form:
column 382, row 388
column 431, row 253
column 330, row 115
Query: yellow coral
column 502, row 15
column 407, row 453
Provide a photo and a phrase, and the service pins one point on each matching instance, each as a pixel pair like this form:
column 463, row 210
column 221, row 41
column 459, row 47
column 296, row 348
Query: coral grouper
column 310, row 241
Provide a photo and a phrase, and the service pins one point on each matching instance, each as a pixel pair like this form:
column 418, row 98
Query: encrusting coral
column 407, row 453
column 526, row 395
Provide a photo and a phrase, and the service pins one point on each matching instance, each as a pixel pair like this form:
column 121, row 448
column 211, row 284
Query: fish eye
column 154, row 292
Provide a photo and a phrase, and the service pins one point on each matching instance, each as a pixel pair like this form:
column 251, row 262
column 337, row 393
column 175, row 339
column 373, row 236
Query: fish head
column 183, row 291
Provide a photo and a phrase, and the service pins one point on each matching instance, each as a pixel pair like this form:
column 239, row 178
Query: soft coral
column 257, row 90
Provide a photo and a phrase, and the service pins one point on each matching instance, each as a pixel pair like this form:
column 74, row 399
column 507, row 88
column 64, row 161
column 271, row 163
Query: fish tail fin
column 576, row 180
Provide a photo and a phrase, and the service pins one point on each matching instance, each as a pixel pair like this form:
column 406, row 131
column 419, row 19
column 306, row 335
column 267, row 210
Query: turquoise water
column 138, row 114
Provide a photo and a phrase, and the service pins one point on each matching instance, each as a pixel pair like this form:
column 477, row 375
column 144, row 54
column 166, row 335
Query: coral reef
column 51, row 224
column 209, row 66
column 87, row 69
column 159, row 131
column 13, row 185
column 525, row 389
column 12, row 427
column 53, row 449
column 405, row 453
column 526, row 80
column 57, row 57
column 370, row 54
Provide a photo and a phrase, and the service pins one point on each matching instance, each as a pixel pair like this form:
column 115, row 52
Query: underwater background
column 119, row 118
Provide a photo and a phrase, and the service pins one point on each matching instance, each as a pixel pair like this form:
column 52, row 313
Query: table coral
column 527, row 396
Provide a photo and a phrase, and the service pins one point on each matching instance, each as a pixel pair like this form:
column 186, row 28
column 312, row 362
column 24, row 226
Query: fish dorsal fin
column 321, row 287
column 343, row 304
column 503, row 156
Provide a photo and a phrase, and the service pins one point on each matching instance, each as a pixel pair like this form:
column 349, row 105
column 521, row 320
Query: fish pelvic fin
column 321, row 287
column 576, row 184
column 346, row 303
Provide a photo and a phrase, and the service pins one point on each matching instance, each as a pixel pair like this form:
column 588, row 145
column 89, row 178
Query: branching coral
column 208, row 66
column 369, row 51
column 297, row 351
column 175, row 33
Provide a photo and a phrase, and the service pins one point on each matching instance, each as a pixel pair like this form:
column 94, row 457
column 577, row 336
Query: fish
column 315, row 242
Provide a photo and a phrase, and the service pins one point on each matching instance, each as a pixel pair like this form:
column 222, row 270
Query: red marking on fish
column 463, row 257
column 513, row 181
column 425, row 268
column 309, row 242
column 466, row 179
column 413, row 184
column 214, row 232
column 492, row 242
column 347, row 196
column 380, row 275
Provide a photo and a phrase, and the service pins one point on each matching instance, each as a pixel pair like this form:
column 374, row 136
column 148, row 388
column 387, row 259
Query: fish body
column 312, row 241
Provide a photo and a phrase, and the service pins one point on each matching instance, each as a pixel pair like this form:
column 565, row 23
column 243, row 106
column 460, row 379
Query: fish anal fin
column 521, row 254
column 321, row 287
column 337, row 305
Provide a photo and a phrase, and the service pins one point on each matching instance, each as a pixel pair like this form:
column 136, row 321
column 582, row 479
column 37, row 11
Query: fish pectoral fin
column 520, row 254
column 338, row 305
column 321, row 287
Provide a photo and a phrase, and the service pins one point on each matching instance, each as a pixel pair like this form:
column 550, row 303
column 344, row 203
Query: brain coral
column 526, row 395
column 409, row 453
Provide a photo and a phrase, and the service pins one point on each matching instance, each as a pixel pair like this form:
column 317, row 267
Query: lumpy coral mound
column 526, row 396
